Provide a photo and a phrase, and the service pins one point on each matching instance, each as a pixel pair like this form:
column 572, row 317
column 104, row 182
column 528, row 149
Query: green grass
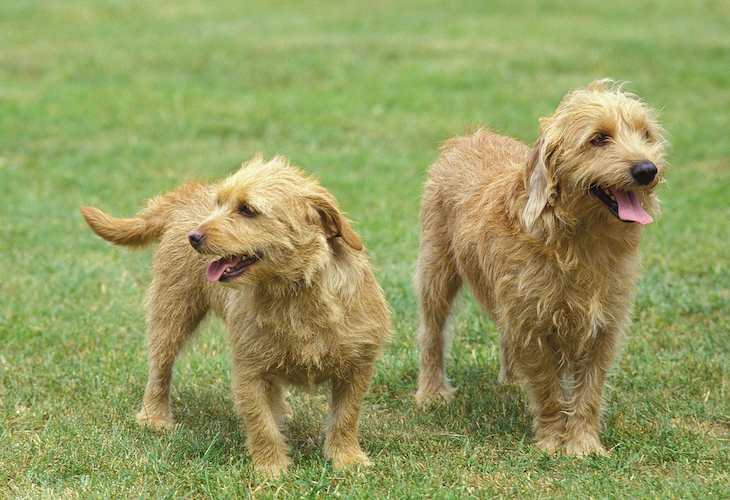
column 109, row 102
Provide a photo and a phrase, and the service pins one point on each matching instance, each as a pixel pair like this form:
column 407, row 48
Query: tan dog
column 547, row 239
column 269, row 251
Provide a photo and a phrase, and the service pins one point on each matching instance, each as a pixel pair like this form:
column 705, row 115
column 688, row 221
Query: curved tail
column 145, row 228
column 136, row 232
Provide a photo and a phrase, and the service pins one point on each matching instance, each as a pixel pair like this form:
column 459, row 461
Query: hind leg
column 277, row 400
column 507, row 374
column 437, row 283
column 173, row 315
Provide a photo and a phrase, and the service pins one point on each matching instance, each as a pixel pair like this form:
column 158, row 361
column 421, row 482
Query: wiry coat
column 305, row 308
column 543, row 255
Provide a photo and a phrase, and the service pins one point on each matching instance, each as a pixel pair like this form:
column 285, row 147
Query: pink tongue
column 217, row 268
column 629, row 208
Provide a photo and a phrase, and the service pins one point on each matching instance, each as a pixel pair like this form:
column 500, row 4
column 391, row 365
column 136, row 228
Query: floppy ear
column 333, row 223
column 540, row 182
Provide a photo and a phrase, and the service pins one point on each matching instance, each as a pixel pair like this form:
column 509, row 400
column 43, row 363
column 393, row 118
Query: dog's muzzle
column 625, row 205
column 196, row 238
column 644, row 172
column 226, row 268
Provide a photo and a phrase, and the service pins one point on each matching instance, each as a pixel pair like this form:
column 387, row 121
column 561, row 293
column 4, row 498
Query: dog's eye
column 246, row 210
column 599, row 139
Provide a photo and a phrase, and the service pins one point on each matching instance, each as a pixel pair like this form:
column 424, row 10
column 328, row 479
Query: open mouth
column 227, row 268
column 624, row 206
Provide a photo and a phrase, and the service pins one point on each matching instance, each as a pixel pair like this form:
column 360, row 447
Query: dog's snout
column 196, row 237
column 644, row 172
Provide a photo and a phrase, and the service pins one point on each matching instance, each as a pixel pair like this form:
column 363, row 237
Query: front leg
column 583, row 424
column 259, row 404
column 539, row 367
column 348, row 392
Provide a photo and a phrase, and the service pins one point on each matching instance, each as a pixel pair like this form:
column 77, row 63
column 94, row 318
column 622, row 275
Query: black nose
column 196, row 237
column 644, row 172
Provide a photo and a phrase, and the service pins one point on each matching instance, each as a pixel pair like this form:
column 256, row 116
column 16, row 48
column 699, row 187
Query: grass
column 110, row 102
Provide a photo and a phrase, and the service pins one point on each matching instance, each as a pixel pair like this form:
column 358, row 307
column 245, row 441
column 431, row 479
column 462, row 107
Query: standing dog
column 547, row 239
column 269, row 251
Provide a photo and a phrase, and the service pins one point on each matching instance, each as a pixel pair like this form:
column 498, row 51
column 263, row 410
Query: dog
column 547, row 240
column 270, row 252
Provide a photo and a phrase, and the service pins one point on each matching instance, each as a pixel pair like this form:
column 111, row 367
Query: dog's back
column 481, row 151
column 469, row 167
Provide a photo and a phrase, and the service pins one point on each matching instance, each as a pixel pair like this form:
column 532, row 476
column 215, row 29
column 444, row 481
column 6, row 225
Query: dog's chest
column 300, row 344
column 312, row 362
column 575, row 303
column 307, row 357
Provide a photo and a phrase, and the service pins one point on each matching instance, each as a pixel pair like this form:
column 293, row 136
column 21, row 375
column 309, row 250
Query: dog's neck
column 572, row 246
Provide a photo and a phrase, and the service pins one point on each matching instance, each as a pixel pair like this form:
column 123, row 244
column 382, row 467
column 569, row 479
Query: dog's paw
column 156, row 421
column 269, row 455
column 342, row 459
column 549, row 444
column 442, row 392
column 272, row 469
column 583, row 445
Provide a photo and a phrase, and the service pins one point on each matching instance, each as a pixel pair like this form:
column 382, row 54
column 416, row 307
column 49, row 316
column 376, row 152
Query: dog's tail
column 145, row 228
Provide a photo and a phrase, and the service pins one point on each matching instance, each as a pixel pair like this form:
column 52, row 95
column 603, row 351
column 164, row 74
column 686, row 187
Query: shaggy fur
column 547, row 240
column 269, row 251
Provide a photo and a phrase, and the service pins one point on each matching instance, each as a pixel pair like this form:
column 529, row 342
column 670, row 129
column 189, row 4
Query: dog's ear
column 540, row 182
column 332, row 222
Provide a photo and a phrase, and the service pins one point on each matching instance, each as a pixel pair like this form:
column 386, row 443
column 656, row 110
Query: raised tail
column 145, row 228
column 136, row 232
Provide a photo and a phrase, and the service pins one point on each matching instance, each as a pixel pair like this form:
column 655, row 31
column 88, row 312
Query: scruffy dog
column 270, row 252
column 547, row 240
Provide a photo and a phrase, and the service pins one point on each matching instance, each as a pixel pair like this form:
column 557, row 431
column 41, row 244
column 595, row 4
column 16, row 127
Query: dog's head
column 599, row 157
column 271, row 225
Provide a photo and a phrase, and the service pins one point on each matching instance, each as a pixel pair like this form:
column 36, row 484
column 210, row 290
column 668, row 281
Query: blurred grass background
column 110, row 102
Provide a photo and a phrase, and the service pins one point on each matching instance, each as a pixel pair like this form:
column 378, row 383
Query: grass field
column 110, row 102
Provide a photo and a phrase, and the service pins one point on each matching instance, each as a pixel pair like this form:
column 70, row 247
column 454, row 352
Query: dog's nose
column 196, row 237
column 644, row 172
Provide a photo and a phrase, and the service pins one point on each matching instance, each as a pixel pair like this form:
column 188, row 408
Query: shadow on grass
column 484, row 407
column 209, row 429
column 481, row 408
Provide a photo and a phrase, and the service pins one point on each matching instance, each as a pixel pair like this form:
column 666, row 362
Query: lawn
column 110, row 102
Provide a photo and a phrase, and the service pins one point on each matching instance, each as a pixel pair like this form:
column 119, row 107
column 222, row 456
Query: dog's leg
column 539, row 363
column 583, row 422
column 172, row 318
column 348, row 393
column 437, row 284
column 506, row 363
column 583, row 425
column 253, row 395
column 278, row 403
